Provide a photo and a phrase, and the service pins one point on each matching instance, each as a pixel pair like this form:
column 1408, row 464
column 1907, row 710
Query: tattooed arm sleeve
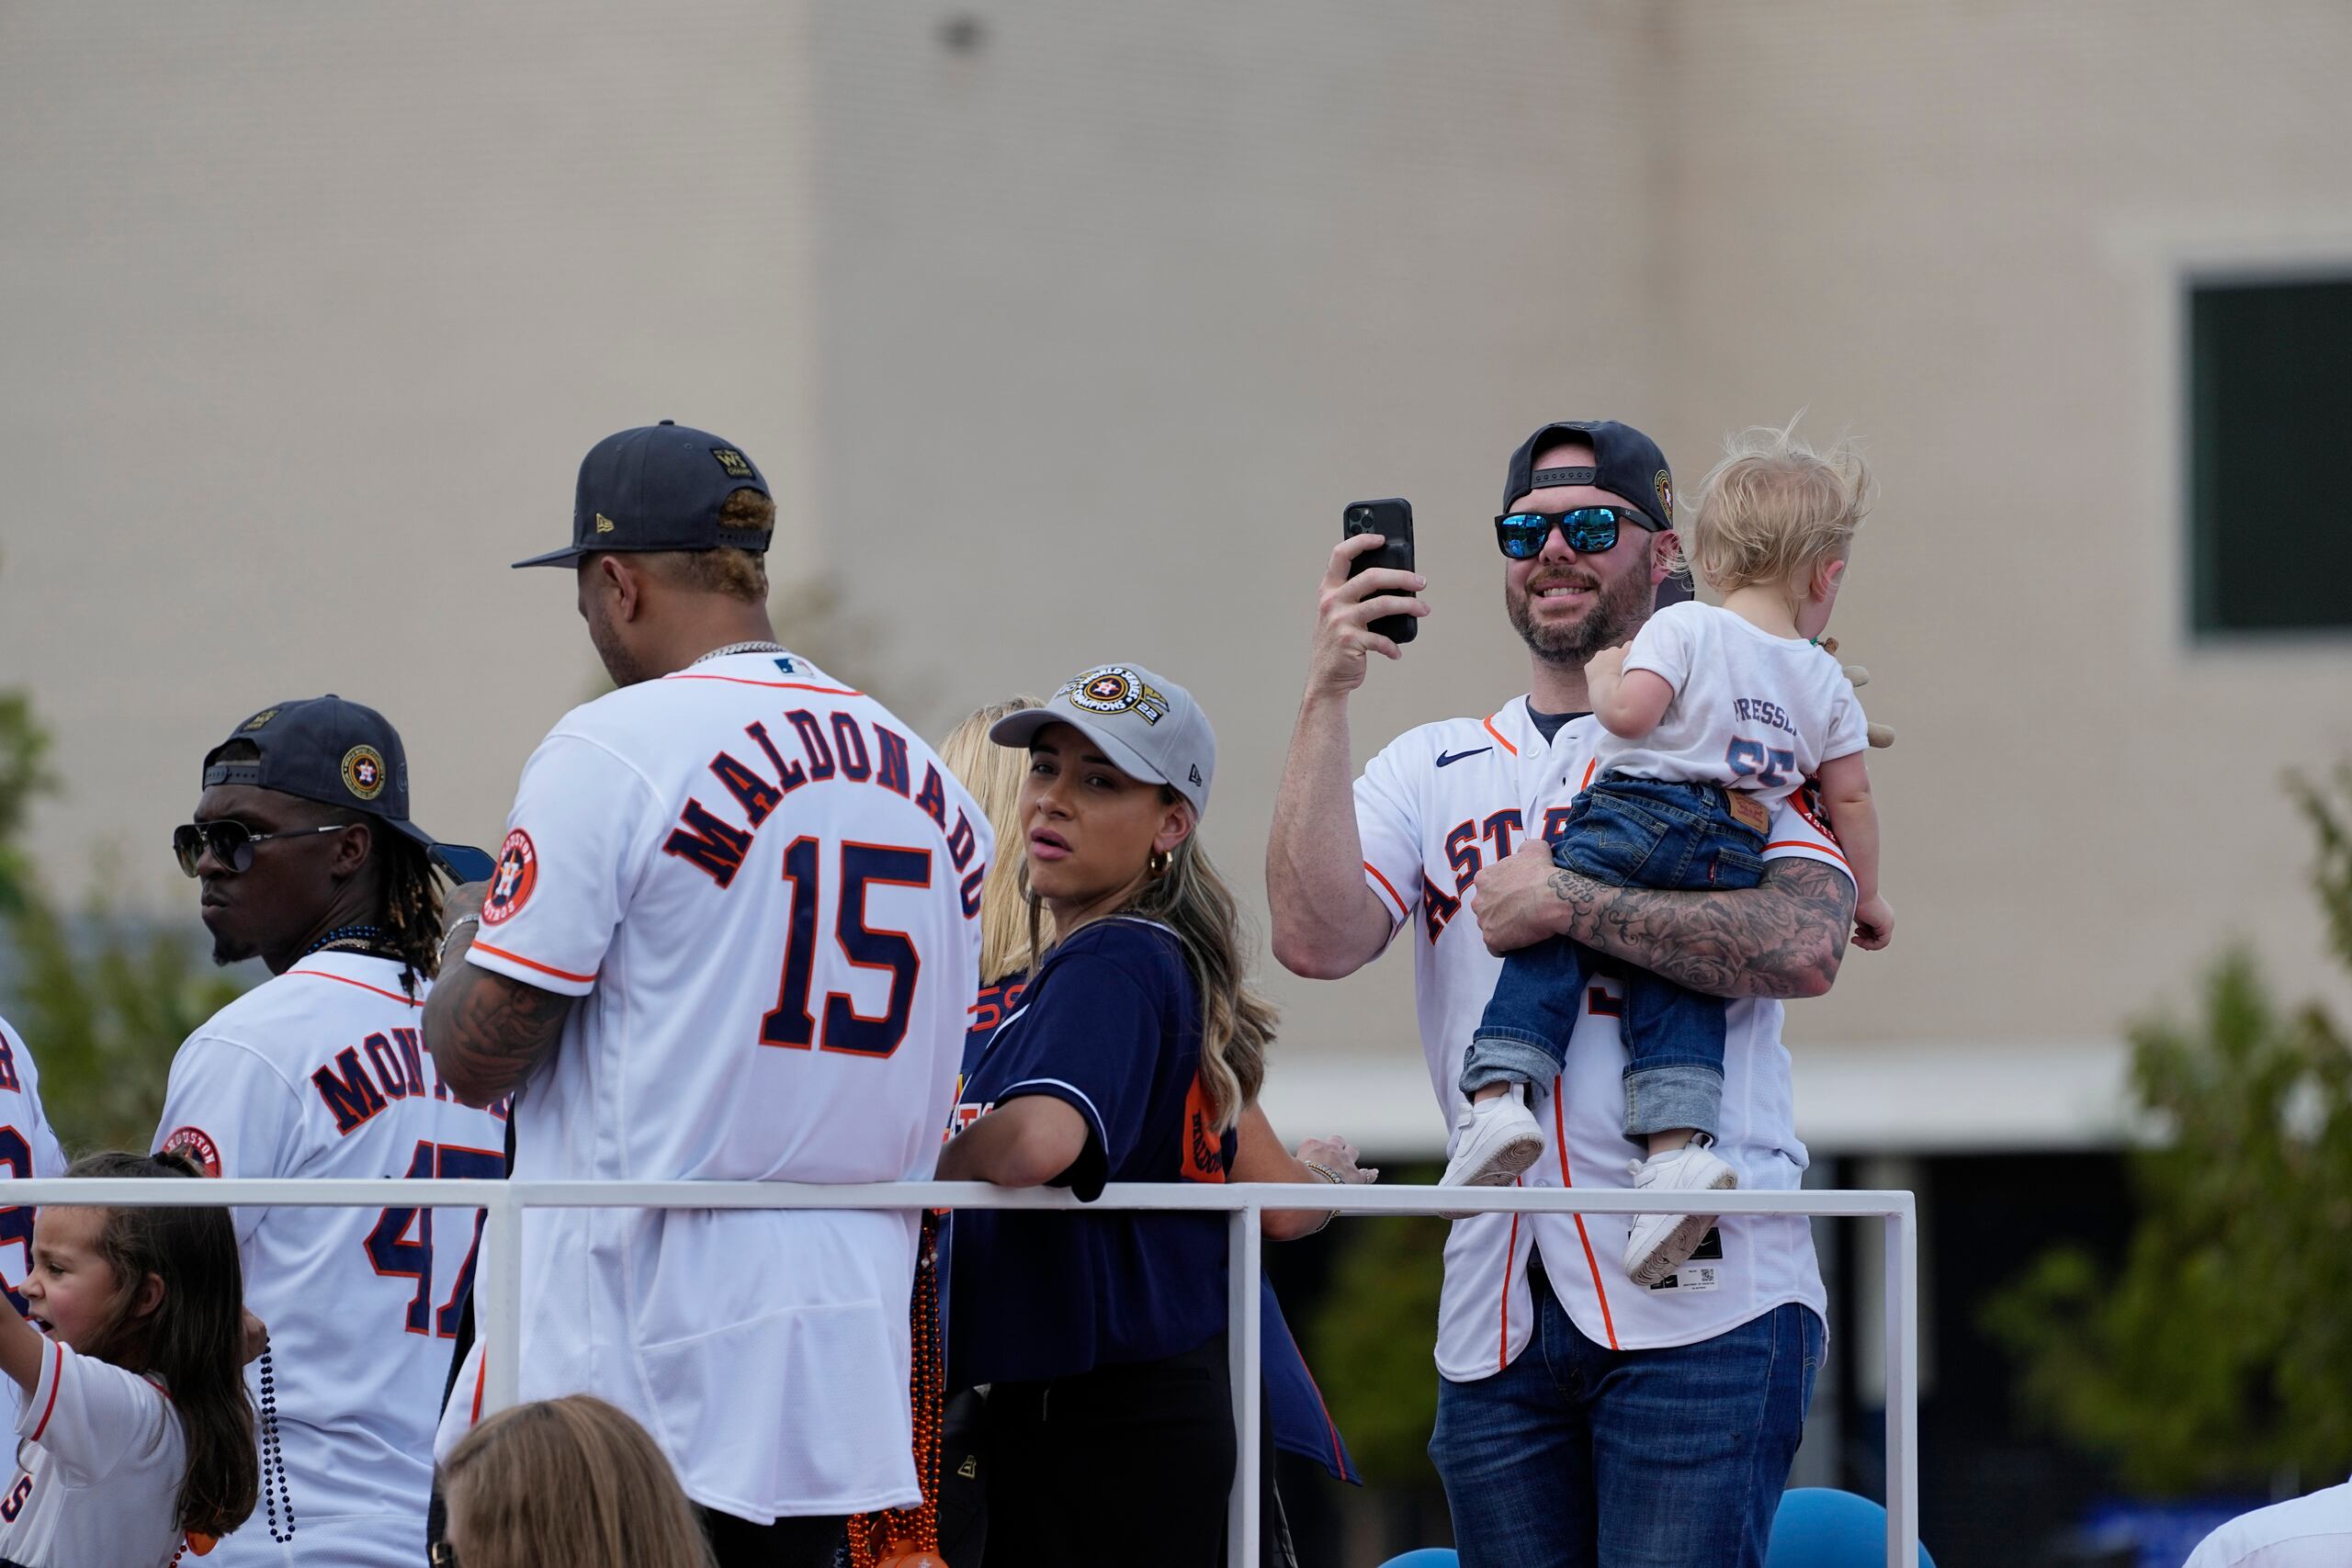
column 1783, row 938
column 487, row 1031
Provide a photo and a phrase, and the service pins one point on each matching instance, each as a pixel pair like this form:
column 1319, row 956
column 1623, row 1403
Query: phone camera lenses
column 1359, row 515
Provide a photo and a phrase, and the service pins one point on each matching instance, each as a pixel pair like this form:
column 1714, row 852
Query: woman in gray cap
column 1135, row 1049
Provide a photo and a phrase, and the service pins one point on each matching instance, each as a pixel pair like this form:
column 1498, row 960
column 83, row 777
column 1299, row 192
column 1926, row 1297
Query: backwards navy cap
column 1624, row 462
column 658, row 487
column 337, row 754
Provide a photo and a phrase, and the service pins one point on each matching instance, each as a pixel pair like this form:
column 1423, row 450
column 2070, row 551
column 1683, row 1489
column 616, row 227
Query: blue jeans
column 1627, row 832
column 1577, row 1456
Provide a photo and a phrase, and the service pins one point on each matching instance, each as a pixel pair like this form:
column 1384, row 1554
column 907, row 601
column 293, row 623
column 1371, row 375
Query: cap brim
column 568, row 556
column 1020, row 729
column 462, row 861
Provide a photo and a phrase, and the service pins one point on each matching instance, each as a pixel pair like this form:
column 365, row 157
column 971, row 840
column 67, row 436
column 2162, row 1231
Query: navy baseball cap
column 337, row 754
column 658, row 487
column 1624, row 462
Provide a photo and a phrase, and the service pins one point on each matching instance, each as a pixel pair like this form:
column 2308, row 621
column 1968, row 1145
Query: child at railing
column 137, row 1432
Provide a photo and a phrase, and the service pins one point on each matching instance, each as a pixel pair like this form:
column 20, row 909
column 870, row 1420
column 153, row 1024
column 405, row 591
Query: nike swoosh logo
column 1447, row 758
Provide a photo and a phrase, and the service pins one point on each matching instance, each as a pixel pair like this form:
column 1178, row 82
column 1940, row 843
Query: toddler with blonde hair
column 1714, row 715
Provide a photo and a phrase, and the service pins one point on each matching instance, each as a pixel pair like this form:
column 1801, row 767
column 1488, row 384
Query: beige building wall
column 306, row 315
column 1065, row 334
column 1963, row 229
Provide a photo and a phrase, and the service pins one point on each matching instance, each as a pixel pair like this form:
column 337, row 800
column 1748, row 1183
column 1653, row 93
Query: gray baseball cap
column 1148, row 725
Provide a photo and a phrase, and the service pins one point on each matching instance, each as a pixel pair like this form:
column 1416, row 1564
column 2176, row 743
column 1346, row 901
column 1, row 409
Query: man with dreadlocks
column 308, row 861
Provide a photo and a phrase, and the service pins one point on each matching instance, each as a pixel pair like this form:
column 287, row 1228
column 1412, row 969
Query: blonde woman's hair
column 571, row 1481
column 1775, row 508
column 993, row 775
column 1191, row 898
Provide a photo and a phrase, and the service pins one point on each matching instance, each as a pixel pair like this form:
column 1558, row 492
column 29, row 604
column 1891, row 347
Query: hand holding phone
column 1393, row 520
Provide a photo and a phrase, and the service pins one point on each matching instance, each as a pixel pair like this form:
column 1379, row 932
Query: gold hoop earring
column 1158, row 863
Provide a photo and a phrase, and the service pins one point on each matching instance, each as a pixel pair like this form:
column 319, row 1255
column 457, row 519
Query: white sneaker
column 1494, row 1141
column 1662, row 1243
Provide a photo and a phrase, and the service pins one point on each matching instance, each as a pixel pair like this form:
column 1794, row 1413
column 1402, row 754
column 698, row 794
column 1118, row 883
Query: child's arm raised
column 22, row 1349
column 1853, row 817
column 1628, row 706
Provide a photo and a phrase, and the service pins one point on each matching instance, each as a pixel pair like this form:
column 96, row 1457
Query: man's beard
column 619, row 664
column 1619, row 608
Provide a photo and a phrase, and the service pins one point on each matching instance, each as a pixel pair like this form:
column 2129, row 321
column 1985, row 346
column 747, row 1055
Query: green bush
column 2220, row 1351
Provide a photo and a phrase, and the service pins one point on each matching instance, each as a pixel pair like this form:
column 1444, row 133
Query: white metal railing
column 498, row 1290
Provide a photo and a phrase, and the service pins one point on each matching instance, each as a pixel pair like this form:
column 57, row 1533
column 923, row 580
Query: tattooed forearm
column 1783, row 938
column 487, row 1033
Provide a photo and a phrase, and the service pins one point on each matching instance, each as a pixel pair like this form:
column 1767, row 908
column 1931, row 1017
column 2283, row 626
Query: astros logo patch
column 363, row 772
column 1664, row 485
column 258, row 719
column 738, row 467
column 511, row 884
column 1114, row 688
column 195, row 1143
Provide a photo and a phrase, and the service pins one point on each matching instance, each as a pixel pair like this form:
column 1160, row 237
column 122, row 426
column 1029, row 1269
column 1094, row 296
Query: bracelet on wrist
column 449, row 933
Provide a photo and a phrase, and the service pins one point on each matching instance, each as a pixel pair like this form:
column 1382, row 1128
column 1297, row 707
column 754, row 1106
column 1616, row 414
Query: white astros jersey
column 28, row 1148
column 1751, row 711
column 764, row 889
column 1433, row 808
column 99, row 1460
column 321, row 1072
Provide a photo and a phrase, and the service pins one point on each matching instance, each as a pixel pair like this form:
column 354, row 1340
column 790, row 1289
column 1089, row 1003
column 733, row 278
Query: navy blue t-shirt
column 1110, row 1025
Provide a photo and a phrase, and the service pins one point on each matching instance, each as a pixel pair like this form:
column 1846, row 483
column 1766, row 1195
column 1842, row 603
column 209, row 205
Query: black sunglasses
column 231, row 843
column 1589, row 530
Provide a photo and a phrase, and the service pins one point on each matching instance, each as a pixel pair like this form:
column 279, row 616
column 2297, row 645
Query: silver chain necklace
column 734, row 648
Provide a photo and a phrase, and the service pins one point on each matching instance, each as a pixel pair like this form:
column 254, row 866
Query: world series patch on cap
column 337, row 754
column 658, row 487
column 1147, row 725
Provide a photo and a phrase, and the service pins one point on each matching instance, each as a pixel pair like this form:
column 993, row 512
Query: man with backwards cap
column 1580, row 1417
column 732, row 936
column 308, row 861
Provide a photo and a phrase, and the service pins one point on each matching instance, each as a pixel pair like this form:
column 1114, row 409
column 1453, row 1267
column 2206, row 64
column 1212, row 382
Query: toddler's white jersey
column 321, row 1072
column 1751, row 711
column 763, row 890
column 1433, row 808
column 99, row 1460
column 28, row 1148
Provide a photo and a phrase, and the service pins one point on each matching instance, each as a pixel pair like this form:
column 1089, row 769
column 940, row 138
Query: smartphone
column 1392, row 521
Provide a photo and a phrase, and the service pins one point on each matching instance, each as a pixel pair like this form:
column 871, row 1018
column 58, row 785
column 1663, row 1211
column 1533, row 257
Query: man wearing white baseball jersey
column 1581, row 1420
column 2314, row 1532
column 733, row 935
column 308, row 861
column 28, row 1148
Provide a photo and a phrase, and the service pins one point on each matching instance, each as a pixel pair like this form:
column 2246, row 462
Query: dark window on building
column 2271, row 433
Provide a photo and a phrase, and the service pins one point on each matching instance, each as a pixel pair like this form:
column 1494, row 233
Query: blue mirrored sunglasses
column 1589, row 530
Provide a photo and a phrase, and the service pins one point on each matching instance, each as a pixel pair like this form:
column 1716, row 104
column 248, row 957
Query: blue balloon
column 1818, row 1526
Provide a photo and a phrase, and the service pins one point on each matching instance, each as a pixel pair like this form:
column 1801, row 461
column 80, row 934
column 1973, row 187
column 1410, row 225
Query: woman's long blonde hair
column 1190, row 897
column 993, row 775
column 1237, row 1024
column 570, row 1480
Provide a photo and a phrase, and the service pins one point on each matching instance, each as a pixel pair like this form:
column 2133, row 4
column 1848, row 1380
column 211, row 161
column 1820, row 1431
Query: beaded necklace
column 367, row 938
